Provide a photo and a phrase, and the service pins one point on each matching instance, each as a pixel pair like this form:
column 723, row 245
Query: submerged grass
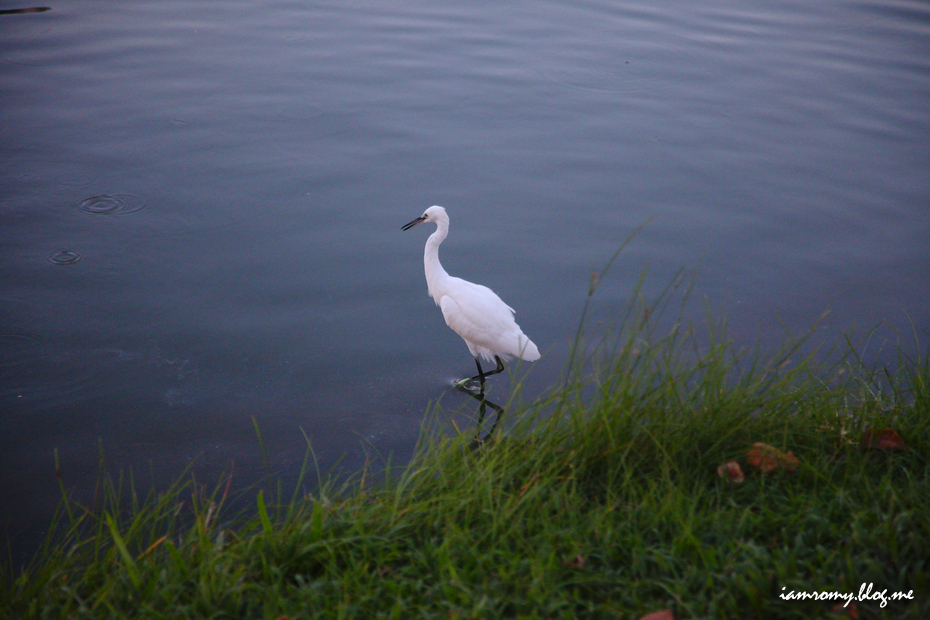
column 601, row 500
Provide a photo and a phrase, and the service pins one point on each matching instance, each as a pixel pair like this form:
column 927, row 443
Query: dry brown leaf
column 665, row 614
column 885, row 439
column 767, row 458
column 731, row 471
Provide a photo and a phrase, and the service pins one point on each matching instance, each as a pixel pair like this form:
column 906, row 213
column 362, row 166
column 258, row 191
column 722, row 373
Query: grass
column 600, row 500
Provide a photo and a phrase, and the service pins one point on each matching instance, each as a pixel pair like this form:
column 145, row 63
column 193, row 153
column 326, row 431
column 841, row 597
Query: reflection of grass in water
column 600, row 500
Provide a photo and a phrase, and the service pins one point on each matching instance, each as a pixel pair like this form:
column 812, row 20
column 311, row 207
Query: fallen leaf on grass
column 665, row 614
column 885, row 439
column 767, row 458
column 731, row 471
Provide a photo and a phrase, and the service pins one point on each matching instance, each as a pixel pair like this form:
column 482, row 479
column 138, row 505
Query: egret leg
column 481, row 374
column 500, row 368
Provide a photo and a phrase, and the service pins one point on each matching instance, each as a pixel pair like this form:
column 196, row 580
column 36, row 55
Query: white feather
column 473, row 311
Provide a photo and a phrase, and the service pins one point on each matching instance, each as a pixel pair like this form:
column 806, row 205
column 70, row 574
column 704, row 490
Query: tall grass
column 602, row 499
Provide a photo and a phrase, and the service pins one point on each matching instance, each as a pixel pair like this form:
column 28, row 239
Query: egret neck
column 435, row 274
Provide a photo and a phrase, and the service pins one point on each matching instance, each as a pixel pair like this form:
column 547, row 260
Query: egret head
column 434, row 214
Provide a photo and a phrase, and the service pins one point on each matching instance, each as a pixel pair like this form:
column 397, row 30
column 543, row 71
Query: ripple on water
column 111, row 204
column 63, row 257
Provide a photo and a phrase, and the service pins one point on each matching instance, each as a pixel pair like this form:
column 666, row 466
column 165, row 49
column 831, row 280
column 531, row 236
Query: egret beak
column 410, row 225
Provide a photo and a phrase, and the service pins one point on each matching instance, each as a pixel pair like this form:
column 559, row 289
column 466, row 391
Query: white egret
column 473, row 311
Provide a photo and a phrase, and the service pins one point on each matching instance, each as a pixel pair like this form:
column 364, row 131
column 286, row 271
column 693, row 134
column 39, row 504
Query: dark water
column 200, row 205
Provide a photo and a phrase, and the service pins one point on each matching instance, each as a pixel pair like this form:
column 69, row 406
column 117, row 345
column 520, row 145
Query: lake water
column 201, row 206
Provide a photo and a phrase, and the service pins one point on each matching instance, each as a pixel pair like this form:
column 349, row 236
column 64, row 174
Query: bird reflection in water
column 482, row 441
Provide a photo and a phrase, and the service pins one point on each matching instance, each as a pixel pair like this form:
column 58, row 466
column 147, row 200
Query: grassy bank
column 605, row 499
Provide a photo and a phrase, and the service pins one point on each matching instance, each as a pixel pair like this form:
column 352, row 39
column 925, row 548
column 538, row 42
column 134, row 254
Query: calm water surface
column 200, row 205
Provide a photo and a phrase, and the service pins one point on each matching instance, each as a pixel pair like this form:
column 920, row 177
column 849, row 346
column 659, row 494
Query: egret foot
column 470, row 384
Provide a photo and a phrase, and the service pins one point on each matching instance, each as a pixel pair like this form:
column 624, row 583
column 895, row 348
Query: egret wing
column 483, row 320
